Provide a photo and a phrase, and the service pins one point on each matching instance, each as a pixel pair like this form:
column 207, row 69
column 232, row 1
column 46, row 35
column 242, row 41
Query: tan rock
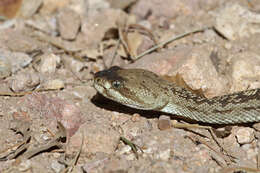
column 69, row 23
column 50, row 6
column 162, row 63
column 94, row 28
column 235, row 21
column 19, row 42
column 245, row 135
column 29, row 8
column 49, row 63
column 25, row 82
column 54, row 84
column 53, row 109
column 198, row 72
column 97, row 138
column 167, row 8
column 244, row 71
column 193, row 65
column 5, row 68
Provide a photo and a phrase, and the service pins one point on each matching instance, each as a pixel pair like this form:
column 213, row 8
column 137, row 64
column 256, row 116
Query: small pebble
column 69, row 23
column 25, row 82
column 136, row 117
column 54, row 84
column 164, row 122
column 25, row 166
column 49, row 63
column 165, row 155
column 256, row 126
column 245, row 135
column 5, row 69
column 56, row 166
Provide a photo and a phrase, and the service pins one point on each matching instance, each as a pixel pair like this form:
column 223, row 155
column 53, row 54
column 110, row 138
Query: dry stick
column 239, row 169
column 42, row 148
column 205, row 143
column 258, row 160
column 187, row 126
column 123, row 38
column 133, row 146
column 74, row 161
column 115, row 52
column 24, row 93
column 15, row 94
column 56, row 141
column 170, row 40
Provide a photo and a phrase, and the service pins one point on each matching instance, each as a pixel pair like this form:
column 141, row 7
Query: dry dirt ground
column 52, row 119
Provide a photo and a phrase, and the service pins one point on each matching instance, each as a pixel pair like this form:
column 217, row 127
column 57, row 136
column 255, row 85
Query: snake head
column 136, row 88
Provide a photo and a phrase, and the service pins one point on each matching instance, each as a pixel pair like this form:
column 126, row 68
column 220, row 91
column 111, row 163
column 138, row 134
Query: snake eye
column 116, row 84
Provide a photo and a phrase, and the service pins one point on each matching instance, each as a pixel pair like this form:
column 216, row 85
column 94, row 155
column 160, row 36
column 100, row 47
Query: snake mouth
column 102, row 90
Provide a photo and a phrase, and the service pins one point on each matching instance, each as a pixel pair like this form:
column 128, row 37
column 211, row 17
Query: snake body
column 142, row 89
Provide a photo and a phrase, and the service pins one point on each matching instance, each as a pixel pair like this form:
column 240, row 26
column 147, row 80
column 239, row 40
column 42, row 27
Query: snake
column 145, row 90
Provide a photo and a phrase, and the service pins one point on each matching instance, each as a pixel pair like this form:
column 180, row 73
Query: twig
column 209, row 128
column 20, row 94
column 115, row 52
column 70, row 168
column 170, row 40
column 132, row 145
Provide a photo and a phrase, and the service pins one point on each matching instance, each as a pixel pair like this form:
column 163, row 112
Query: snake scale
column 142, row 89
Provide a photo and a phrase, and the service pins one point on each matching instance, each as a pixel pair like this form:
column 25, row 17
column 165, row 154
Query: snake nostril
column 98, row 80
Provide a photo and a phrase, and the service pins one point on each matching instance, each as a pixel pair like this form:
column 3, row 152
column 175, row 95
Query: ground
column 53, row 120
